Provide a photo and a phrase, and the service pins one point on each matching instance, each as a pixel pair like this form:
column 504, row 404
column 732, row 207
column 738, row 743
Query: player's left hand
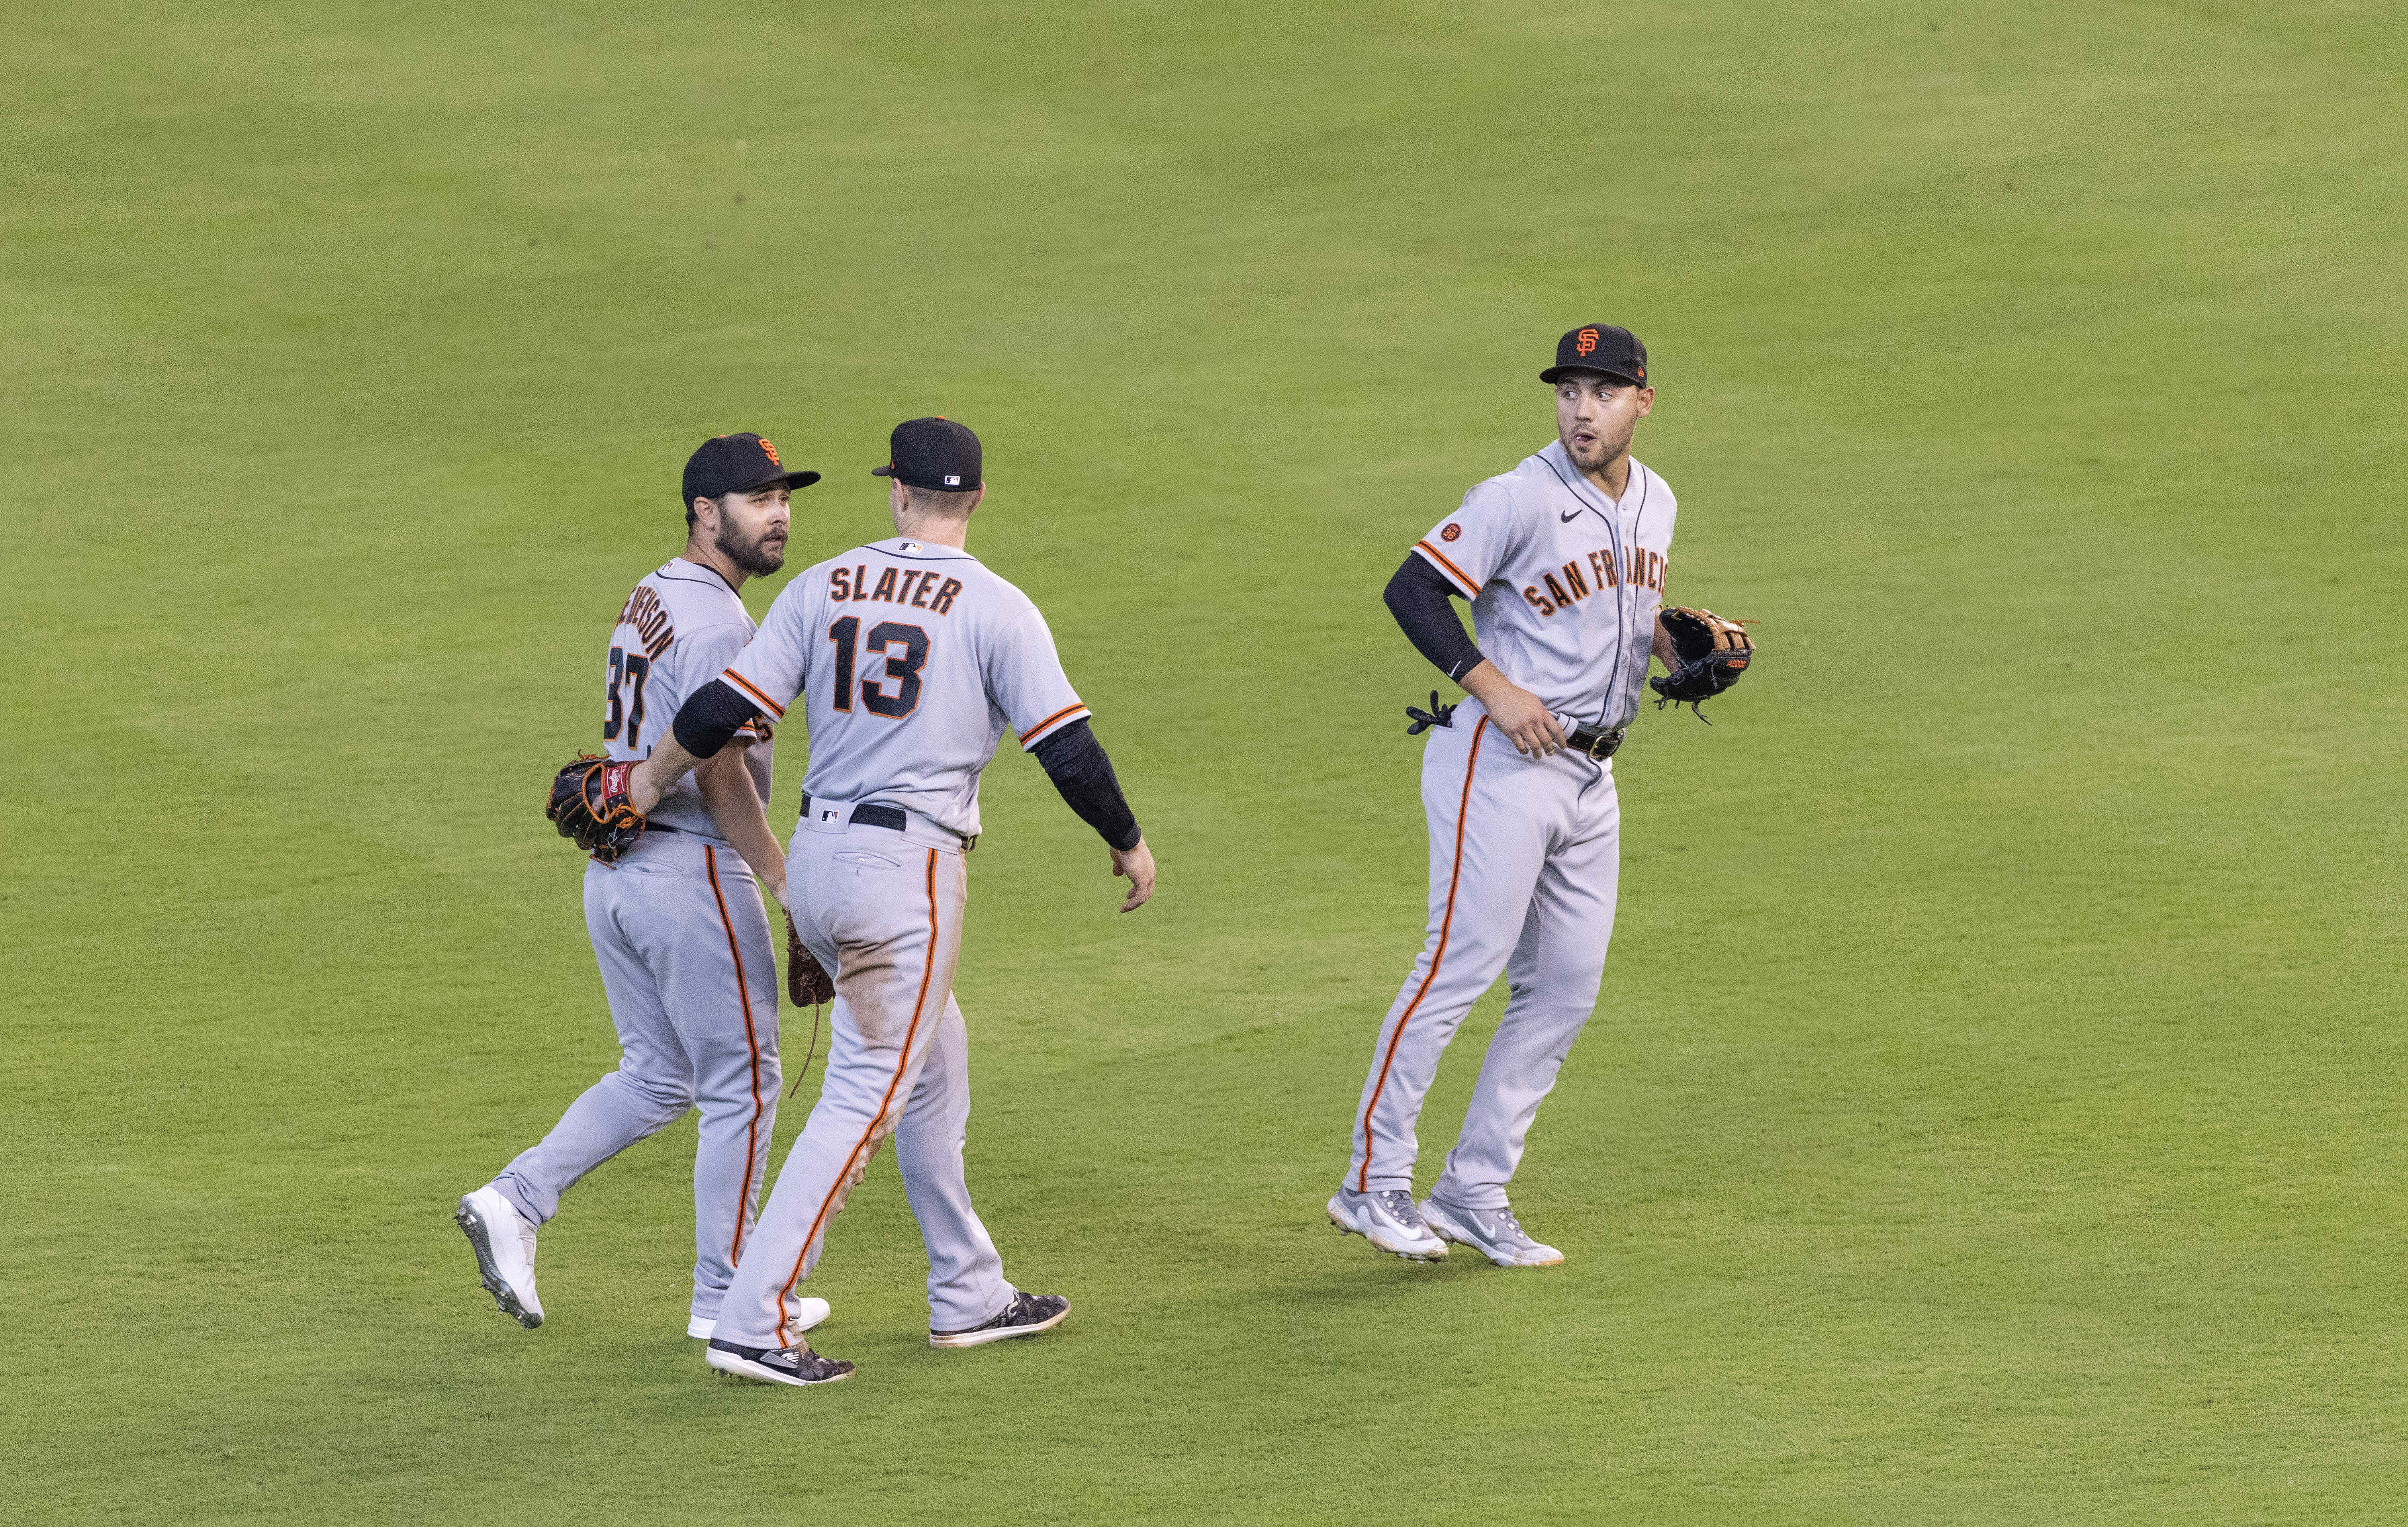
column 1137, row 864
column 643, row 791
column 1708, row 653
column 588, row 802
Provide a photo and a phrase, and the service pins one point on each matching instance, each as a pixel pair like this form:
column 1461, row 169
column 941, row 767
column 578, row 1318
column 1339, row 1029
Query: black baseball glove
column 589, row 804
column 1711, row 653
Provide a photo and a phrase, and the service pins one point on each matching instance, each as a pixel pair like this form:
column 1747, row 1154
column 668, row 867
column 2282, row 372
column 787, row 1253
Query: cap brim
column 886, row 471
column 792, row 479
column 1556, row 372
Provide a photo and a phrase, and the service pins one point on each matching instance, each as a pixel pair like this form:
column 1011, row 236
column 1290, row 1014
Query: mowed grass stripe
column 1990, row 1113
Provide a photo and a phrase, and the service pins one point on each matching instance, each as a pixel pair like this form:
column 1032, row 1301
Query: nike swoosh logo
column 1573, row 515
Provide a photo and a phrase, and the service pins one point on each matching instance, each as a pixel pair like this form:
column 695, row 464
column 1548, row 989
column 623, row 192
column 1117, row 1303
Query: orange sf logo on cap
column 772, row 451
column 1585, row 343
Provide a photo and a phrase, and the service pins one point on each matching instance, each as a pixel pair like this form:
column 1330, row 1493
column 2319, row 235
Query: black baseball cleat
column 775, row 1364
column 1026, row 1314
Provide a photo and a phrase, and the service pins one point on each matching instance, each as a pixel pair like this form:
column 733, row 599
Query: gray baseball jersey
column 679, row 627
column 1525, row 853
column 1565, row 584
column 911, row 659
column 683, row 947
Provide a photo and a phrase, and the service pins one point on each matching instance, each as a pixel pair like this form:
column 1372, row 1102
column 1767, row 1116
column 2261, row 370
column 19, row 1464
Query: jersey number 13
column 902, row 666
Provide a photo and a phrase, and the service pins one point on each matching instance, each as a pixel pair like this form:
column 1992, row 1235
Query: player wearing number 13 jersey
column 908, row 661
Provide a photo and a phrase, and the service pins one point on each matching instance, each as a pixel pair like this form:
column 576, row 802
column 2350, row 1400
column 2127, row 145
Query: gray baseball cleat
column 1026, row 1314
column 1386, row 1218
column 504, row 1242
column 1494, row 1234
column 797, row 1364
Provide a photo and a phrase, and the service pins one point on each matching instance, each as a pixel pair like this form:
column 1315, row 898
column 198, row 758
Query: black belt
column 665, row 827
column 892, row 817
column 1596, row 742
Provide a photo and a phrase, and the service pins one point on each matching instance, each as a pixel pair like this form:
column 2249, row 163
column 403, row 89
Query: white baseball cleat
column 504, row 1241
column 1494, row 1234
column 702, row 1328
column 1386, row 1218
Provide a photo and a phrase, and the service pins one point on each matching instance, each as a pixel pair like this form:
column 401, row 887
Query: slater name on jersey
column 917, row 587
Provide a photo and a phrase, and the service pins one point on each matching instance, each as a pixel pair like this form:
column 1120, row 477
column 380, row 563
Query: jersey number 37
column 628, row 672
column 905, row 648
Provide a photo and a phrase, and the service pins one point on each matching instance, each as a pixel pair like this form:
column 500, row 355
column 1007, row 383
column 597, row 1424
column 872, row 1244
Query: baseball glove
column 589, row 804
column 806, row 980
column 1711, row 653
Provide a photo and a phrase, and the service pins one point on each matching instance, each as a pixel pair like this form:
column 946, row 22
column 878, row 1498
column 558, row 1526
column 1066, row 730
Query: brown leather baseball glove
column 589, row 804
column 806, row 980
column 1712, row 653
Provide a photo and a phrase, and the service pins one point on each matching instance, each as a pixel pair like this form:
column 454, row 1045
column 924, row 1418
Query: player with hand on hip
column 676, row 919
column 911, row 658
column 1563, row 560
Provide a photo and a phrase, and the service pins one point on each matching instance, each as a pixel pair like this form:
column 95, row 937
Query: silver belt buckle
column 1605, row 746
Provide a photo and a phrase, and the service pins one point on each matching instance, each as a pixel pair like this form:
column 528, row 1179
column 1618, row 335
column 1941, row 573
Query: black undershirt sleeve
column 1075, row 761
column 710, row 716
column 1417, row 596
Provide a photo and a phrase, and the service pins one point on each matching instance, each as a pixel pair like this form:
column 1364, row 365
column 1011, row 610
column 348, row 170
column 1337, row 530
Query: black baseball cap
column 1603, row 348
column 936, row 455
column 737, row 463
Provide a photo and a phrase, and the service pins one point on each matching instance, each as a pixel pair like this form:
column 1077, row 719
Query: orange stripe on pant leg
column 1455, row 877
column 836, row 1189
column 752, row 1042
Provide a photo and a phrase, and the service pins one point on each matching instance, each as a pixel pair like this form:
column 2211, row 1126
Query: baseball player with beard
column 908, row 660
column 675, row 921
column 1563, row 560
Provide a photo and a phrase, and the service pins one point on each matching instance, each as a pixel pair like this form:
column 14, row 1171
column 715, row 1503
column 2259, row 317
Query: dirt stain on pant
column 865, row 983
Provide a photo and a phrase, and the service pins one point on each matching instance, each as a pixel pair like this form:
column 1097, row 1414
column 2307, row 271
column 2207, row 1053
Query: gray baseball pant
column 882, row 908
column 684, row 948
column 1524, row 857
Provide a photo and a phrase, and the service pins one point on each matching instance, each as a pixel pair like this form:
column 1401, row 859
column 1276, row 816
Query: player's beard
column 1602, row 454
column 755, row 558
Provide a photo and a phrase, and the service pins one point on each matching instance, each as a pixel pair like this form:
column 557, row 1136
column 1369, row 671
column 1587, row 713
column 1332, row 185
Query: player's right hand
column 1137, row 864
column 1525, row 717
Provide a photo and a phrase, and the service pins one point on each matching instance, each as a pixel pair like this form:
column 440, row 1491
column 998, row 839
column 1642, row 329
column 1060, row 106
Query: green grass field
column 1995, row 1111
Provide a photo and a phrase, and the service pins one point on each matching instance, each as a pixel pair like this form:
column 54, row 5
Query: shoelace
column 1399, row 1206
